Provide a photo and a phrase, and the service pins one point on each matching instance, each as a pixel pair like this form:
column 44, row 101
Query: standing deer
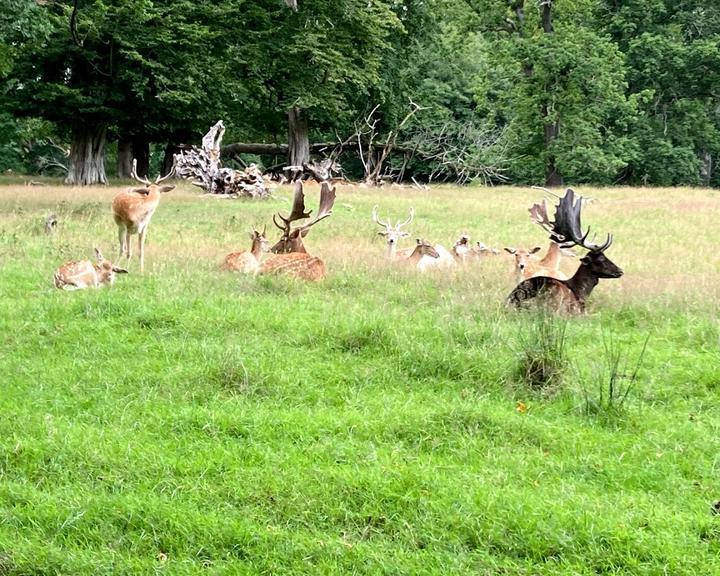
column 291, row 257
column 84, row 274
column 133, row 208
column 569, row 295
column 246, row 261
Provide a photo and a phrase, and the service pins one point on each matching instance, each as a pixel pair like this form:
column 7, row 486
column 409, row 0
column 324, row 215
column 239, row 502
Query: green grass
column 194, row 421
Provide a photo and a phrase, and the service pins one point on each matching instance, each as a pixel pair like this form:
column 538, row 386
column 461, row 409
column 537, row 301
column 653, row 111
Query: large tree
column 137, row 69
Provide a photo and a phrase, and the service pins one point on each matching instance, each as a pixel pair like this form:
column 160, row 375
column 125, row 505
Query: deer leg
column 128, row 246
column 141, row 248
column 121, row 241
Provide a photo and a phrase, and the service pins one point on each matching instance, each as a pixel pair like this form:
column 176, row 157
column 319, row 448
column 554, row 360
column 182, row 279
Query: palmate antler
column 566, row 230
column 327, row 199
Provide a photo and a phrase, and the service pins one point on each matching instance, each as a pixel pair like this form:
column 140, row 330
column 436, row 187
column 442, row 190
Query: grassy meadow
column 191, row 420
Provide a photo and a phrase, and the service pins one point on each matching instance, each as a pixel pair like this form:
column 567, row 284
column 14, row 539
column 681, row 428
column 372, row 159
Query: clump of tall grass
column 614, row 378
column 543, row 358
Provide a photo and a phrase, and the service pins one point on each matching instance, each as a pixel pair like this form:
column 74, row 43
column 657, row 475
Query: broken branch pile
column 202, row 166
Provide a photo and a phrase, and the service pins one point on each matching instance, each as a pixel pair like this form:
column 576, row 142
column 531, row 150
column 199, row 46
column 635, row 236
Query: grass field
column 190, row 420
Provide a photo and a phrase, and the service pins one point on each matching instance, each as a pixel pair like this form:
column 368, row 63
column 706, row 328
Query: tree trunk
column 298, row 139
column 141, row 153
column 124, row 158
column 87, row 155
column 169, row 158
column 547, row 23
column 552, row 130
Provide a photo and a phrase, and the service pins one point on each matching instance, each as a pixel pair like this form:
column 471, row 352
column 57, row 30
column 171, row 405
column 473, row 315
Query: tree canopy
column 508, row 90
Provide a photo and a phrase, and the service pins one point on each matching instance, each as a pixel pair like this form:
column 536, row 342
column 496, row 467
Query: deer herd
column 538, row 279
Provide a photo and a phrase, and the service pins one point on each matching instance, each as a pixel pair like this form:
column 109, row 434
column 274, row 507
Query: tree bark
column 553, row 177
column 87, row 155
column 124, row 158
column 547, row 24
column 298, row 139
column 141, row 153
column 169, row 157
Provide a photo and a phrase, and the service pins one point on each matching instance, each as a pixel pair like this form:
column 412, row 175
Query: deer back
column 546, row 291
column 296, row 264
column 137, row 204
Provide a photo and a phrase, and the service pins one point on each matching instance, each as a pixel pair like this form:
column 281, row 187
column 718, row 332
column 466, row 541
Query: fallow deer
column 393, row 234
column 464, row 251
column 291, row 257
column 569, row 296
column 133, row 209
column 84, row 274
column 527, row 265
column 421, row 255
column 248, row 261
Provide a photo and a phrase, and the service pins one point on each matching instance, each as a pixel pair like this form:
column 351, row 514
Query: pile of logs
column 202, row 166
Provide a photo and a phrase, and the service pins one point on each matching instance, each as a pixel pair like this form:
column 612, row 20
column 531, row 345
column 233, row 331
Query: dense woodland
column 519, row 91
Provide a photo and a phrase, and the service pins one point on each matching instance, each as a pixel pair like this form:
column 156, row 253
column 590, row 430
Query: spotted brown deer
column 291, row 257
column 84, row 274
column 133, row 209
column 248, row 261
column 568, row 295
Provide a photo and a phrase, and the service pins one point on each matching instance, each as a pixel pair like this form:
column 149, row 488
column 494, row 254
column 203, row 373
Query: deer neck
column 256, row 248
column 392, row 249
column 416, row 255
column 552, row 258
column 583, row 282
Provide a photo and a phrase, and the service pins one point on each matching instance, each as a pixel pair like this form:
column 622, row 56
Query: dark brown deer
column 568, row 295
column 291, row 257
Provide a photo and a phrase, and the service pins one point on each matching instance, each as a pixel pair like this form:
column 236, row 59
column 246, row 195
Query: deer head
column 292, row 238
column 392, row 233
column 149, row 187
column 259, row 241
column 522, row 256
column 106, row 270
column 566, row 230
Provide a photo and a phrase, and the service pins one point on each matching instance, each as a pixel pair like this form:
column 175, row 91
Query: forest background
column 518, row 91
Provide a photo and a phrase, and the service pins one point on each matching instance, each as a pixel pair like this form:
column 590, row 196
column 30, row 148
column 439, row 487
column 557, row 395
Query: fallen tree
column 202, row 166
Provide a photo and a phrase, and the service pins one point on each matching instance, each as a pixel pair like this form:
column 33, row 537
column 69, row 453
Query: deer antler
column 327, row 199
column 406, row 222
column 539, row 215
column 135, row 175
column 376, row 219
column 567, row 229
column 168, row 175
column 297, row 212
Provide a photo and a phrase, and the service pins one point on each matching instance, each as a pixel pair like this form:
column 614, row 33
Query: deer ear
column 536, row 249
column 119, row 270
column 304, row 232
column 166, row 188
column 382, row 233
column 252, row 235
column 510, row 250
column 144, row 191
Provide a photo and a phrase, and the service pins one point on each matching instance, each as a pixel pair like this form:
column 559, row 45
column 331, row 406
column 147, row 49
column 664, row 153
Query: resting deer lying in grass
column 569, row 295
column 527, row 264
column 291, row 258
column 248, row 261
column 85, row 274
column 133, row 209
column 463, row 251
column 393, row 234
